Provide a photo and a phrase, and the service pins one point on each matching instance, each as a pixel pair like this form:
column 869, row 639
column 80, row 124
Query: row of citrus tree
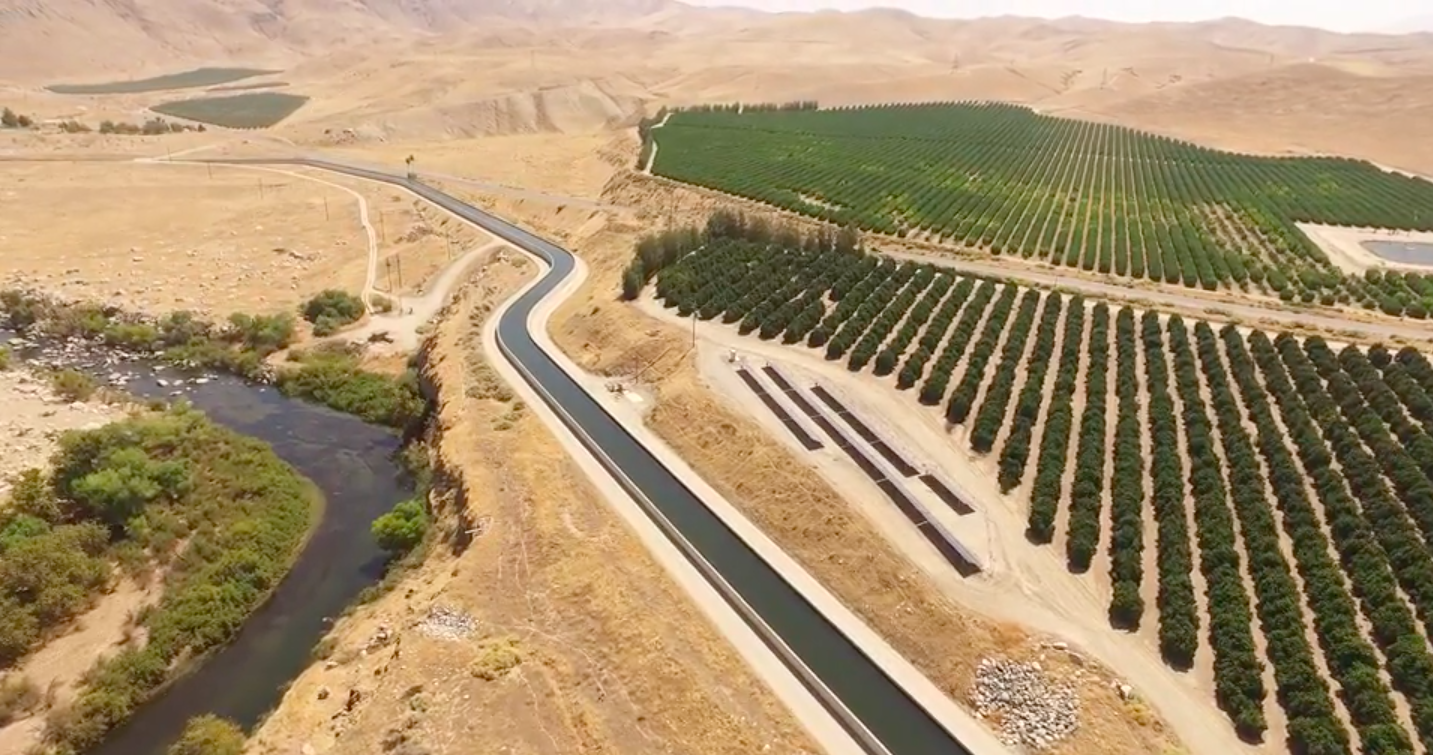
column 927, row 326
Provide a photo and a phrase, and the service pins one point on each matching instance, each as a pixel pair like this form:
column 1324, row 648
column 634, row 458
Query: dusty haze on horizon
column 1370, row 15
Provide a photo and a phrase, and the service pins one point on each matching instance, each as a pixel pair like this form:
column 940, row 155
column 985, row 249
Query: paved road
column 876, row 710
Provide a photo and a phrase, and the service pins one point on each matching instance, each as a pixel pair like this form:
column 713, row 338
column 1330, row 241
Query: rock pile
column 444, row 623
column 1033, row 711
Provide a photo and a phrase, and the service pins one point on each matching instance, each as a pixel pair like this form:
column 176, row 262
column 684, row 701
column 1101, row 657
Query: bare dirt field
column 217, row 239
column 571, row 637
column 555, row 163
column 167, row 237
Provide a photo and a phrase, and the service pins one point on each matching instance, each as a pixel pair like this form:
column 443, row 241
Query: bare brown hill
column 1298, row 109
column 49, row 39
column 410, row 71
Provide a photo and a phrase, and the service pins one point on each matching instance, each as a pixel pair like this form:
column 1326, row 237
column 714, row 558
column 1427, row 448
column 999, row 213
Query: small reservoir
column 1402, row 252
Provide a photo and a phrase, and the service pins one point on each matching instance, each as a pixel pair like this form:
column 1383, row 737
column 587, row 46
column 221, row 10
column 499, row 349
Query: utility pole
column 261, row 188
column 382, row 227
column 210, row 166
column 398, row 264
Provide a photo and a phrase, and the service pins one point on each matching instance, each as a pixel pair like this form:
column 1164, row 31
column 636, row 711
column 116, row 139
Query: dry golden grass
column 166, row 237
column 582, row 643
column 798, row 508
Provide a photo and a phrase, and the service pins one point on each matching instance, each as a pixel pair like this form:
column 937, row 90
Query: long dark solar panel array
column 941, row 490
column 866, row 433
column 802, row 437
column 947, row 495
column 943, row 542
column 791, row 392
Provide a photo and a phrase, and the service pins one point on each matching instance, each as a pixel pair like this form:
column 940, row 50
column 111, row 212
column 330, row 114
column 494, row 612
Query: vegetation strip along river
column 351, row 463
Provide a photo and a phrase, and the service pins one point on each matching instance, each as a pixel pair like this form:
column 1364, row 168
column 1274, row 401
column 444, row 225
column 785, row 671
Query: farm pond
column 1402, row 252
column 350, row 462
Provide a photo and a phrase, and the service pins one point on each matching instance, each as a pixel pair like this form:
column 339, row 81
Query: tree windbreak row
column 1094, row 196
column 1261, row 504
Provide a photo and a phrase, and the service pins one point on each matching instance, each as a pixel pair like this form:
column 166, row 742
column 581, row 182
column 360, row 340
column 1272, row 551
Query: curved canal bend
column 893, row 722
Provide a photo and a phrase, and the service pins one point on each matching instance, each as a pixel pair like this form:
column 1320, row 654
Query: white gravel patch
column 1034, row 711
column 444, row 623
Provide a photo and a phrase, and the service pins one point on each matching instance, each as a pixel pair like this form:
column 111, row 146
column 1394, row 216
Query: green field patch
column 199, row 77
column 251, row 110
column 249, row 86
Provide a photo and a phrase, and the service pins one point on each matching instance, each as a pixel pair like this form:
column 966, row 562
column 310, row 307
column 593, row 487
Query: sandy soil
column 613, row 658
column 34, row 418
column 556, row 163
column 1344, row 248
column 30, row 428
column 56, row 668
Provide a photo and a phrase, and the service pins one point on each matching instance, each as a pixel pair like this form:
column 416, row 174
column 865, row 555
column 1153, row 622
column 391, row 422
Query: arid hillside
column 383, row 72
column 85, row 39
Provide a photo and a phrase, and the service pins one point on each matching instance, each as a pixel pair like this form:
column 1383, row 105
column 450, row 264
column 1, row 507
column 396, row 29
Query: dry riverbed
column 34, row 418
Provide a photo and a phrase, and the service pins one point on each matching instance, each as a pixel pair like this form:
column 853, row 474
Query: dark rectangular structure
column 944, row 542
column 867, row 434
column 946, row 495
column 804, row 438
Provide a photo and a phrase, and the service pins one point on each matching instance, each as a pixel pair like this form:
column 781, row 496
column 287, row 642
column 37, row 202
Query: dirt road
column 1222, row 311
column 415, row 311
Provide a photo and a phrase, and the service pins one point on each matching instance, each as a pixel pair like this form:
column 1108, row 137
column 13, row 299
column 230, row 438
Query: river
column 351, row 462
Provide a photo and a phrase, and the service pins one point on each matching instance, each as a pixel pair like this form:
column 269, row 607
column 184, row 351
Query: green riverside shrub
column 209, row 735
column 220, row 512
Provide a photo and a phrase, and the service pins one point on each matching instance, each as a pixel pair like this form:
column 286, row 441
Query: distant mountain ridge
column 49, row 41
column 1413, row 25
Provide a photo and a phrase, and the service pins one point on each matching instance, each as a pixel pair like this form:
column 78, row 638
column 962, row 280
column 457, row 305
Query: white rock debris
column 444, row 623
column 1034, row 711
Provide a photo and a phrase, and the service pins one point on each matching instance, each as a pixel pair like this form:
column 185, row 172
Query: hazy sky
column 1340, row 15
